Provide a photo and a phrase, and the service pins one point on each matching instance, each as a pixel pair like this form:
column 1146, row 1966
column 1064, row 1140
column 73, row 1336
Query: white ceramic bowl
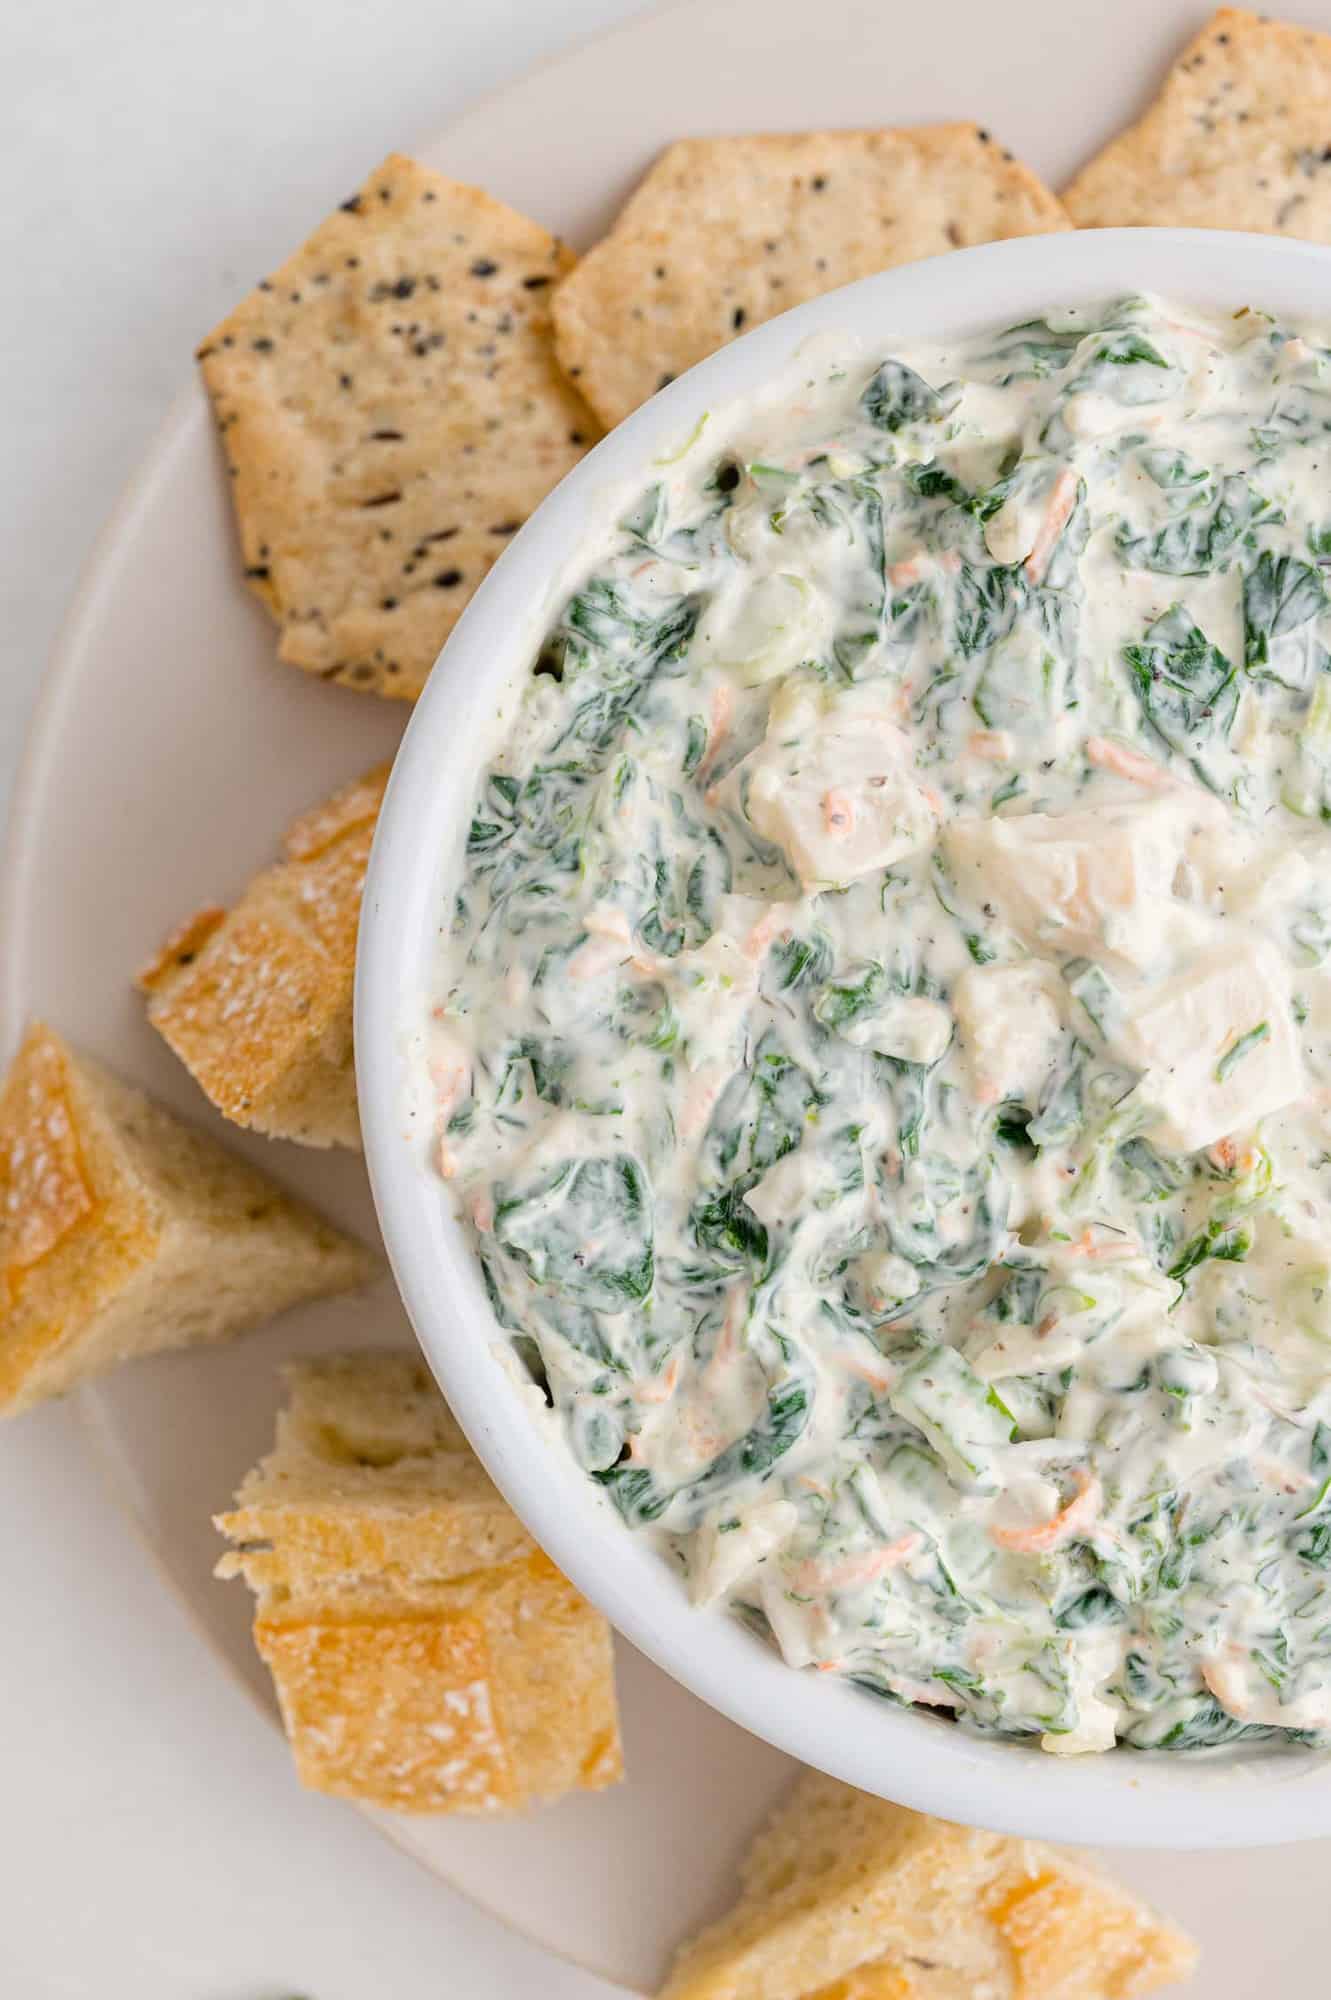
column 1124, row 1797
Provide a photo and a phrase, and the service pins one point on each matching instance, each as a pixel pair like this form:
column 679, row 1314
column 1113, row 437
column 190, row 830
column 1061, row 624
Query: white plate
column 169, row 749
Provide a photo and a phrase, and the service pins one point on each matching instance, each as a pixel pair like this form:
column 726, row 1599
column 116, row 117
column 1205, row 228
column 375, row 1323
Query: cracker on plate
column 725, row 233
column 391, row 411
column 1238, row 138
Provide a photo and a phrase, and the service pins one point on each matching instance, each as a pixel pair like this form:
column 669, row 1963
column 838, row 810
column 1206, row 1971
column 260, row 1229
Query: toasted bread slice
column 124, row 1232
column 845, row 1897
column 256, row 1000
column 426, row 1655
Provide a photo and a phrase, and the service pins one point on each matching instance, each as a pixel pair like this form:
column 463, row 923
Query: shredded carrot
column 1124, row 762
column 1062, row 500
column 1096, row 1250
column 1043, row 1536
column 994, row 745
column 863, row 1371
column 660, row 1388
column 722, row 709
column 760, row 937
column 852, row 1571
column 838, row 813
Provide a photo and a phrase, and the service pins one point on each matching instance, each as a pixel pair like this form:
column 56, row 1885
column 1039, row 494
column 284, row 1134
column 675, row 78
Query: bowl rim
column 1199, row 1801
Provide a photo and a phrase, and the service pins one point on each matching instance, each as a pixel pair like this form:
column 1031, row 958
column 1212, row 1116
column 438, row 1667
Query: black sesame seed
column 818, row 183
column 387, row 437
column 441, row 535
column 388, row 604
column 506, row 528
column 576, row 437
column 383, row 500
column 265, row 284
column 429, row 195
column 258, row 571
column 665, row 379
column 263, row 345
column 484, row 267
column 738, row 317
column 537, row 283
column 344, row 381
column 448, row 579
column 352, row 207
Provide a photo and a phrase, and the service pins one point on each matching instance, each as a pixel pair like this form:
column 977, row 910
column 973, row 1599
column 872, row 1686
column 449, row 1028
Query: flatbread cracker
column 391, row 412
column 1238, row 138
column 725, row 233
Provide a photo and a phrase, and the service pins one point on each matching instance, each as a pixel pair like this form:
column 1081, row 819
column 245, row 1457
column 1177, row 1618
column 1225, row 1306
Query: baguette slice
column 427, row 1656
column 124, row 1232
column 256, row 1000
column 845, row 1897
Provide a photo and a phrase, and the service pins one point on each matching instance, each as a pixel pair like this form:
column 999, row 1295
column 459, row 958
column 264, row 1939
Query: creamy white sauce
column 884, row 1039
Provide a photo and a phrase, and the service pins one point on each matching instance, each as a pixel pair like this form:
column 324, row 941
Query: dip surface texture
column 883, row 1047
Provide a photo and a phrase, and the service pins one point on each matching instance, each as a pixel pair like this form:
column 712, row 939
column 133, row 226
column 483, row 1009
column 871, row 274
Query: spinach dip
column 883, row 1040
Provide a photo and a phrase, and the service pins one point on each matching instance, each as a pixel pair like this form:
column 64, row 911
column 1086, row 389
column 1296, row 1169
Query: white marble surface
column 159, row 155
